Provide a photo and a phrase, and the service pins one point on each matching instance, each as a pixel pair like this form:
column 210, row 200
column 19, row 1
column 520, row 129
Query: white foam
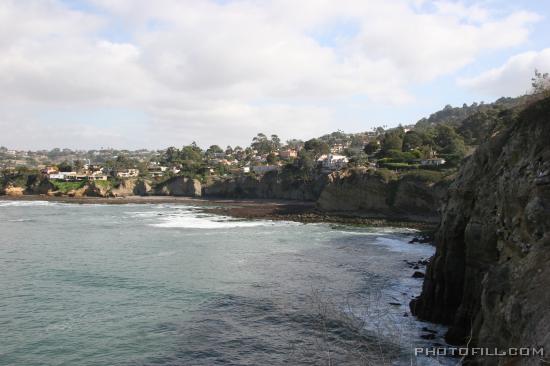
column 206, row 222
column 6, row 203
column 190, row 217
column 399, row 245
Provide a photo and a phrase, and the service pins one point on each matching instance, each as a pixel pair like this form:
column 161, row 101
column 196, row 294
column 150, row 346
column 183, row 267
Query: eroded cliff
column 489, row 279
column 381, row 193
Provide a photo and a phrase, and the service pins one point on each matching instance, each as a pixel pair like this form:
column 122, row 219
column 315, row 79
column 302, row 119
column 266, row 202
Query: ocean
column 166, row 284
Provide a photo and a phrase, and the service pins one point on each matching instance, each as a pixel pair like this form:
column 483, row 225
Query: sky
column 88, row 74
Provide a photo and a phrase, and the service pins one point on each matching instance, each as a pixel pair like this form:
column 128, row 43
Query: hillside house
column 288, row 154
column 332, row 162
column 432, row 162
column 127, row 173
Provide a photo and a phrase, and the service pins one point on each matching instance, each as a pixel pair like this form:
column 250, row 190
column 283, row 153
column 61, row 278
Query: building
column 49, row 170
column 288, row 154
column 332, row 162
column 432, row 162
column 63, row 175
column 127, row 173
column 97, row 175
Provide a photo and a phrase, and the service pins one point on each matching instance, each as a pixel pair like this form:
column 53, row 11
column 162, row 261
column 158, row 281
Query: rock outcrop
column 489, row 279
column 179, row 186
column 379, row 193
column 14, row 191
column 272, row 185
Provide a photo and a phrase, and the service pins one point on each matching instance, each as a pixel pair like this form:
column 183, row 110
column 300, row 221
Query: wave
column 207, row 222
column 399, row 245
column 27, row 203
column 191, row 218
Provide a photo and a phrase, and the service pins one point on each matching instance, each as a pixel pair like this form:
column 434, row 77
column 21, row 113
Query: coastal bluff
column 489, row 279
column 382, row 193
column 361, row 192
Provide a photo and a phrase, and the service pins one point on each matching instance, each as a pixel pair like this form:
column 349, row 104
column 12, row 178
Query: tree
column 65, row 167
column 78, row 165
column 359, row 159
column 317, row 147
column 541, row 83
column 295, row 144
column 271, row 158
column 412, row 140
column 393, row 140
column 262, row 144
column 371, row 147
column 306, row 162
column 172, row 154
column 275, row 142
column 214, row 149
column 191, row 153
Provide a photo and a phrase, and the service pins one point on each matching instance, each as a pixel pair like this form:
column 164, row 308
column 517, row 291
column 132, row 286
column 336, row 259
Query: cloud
column 513, row 78
column 208, row 69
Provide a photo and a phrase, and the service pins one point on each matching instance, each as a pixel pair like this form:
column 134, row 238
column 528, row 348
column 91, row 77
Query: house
column 63, row 176
column 332, row 162
column 97, row 175
column 288, row 154
column 49, row 170
column 217, row 155
column 245, row 169
column 261, row 169
column 127, row 173
column 432, row 162
column 156, row 170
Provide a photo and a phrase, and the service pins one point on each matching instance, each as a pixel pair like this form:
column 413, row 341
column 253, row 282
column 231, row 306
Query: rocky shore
column 250, row 209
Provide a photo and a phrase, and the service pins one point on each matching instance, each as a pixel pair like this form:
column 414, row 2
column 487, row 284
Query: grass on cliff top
column 103, row 183
column 65, row 187
column 425, row 175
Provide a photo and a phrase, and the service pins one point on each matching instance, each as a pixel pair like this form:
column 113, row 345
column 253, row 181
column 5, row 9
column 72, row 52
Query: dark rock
column 418, row 274
column 489, row 279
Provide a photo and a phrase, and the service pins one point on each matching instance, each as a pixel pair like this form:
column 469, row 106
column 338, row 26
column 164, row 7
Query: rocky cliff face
column 270, row 185
column 179, row 186
column 376, row 194
column 489, row 279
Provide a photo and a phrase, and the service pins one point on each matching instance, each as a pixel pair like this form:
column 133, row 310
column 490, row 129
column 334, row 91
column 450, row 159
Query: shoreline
column 251, row 209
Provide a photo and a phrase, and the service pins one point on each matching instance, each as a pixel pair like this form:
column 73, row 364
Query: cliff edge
column 382, row 193
column 489, row 279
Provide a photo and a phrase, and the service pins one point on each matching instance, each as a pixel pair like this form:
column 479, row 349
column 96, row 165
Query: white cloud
column 513, row 78
column 207, row 69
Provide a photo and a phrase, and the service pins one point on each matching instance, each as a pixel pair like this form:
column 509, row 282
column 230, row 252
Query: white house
column 128, row 173
column 432, row 162
column 62, row 175
column 333, row 162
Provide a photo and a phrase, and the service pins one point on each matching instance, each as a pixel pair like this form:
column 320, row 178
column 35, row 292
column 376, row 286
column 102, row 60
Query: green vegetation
column 66, row 187
column 104, row 183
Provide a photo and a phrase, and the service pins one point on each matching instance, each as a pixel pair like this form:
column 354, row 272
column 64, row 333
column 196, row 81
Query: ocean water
column 168, row 285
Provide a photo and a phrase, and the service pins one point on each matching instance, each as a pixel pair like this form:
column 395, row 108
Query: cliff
column 272, row 185
column 489, row 279
column 381, row 193
column 179, row 186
